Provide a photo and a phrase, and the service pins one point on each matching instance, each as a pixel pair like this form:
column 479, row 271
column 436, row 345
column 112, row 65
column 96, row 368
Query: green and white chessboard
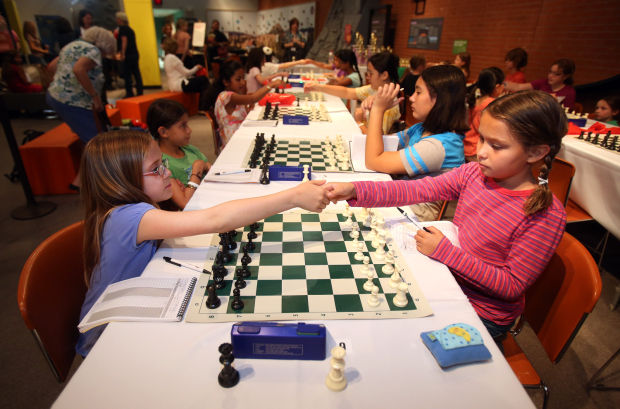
column 298, row 152
column 313, row 113
column 304, row 268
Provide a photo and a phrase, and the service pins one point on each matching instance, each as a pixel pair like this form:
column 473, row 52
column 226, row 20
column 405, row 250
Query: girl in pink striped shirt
column 509, row 222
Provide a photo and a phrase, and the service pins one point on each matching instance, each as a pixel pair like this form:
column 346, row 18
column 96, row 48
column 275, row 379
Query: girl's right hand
column 367, row 103
column 387, row 96
column 311, row 196
column 340, row 191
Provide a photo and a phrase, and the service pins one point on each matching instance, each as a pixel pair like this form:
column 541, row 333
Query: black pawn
column 240, row 282
column 228, row 376
column 218, row 279
column 252, row 234
column 264, row 177
column 236, row 304
column 212, row 300
column 250, row 246
column 254, row 226
column 246, row 259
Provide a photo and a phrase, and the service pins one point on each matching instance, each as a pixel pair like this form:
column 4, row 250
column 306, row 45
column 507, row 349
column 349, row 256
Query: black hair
column 533, row 118
column 568, row 68
column 291, row 22
column 416, row 61
column 163, row 112
column 255, row 58
column 488, row 79
column 518, row 56
column 446, row 83
column 83, row 13
column 348, row 56
column 227, row 70
column 614, row 104
column 386, row 61
column 466, row 58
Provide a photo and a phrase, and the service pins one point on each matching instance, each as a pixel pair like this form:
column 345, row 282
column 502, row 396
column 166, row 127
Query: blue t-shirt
column 431, row 154
column 121, row 258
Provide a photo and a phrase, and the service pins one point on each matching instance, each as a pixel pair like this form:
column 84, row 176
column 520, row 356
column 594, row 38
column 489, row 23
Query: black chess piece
column 230, row 236
column 581, row 135
column 254, row 226
column 250, row 246
column 264, row 177
column 228, row 376
column 595, row 140
column 212, row 299
column 246, row 259
column 236, row 304
column 252, row 234
column 240, row 282
column 218, row 279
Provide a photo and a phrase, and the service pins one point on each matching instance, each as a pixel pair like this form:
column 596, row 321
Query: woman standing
column 293, row 44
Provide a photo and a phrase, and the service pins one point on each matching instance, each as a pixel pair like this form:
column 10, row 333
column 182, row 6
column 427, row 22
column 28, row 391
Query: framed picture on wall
column 425, row 33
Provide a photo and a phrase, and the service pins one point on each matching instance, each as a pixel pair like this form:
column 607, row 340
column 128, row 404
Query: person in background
column 183, row 39
column 217, row 41
column 558, row 83
column 183, row 79
column 254, row 78
column 123, row 181
column 293, row 42
column 75, row 91
column 608, row 110
column 85, row 21
column 14, row 76
column 417, row 64
column 270, row 68
column 346, row 62
column 168, row 124
column 38, row 53
column 489, row 86
column 515, row 62
column 463, row 61
column 430, row 147
column 129, row 55
column 64, row 34
column 9, row 41
column 509, row 223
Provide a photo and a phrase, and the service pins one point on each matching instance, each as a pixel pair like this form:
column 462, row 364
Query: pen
column 186, row 265
column 411, row 220
column 232, row 172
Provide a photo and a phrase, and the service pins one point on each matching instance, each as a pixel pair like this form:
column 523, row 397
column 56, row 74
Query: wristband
column 192, row 185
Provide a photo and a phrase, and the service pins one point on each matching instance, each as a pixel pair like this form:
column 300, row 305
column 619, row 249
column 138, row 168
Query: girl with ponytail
column 509, row 223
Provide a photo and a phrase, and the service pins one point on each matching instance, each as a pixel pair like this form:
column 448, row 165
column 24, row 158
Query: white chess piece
column 400, row 299
column 368, row 284
column 380, row 253
column 306, row 171
column 374, row 300
column 388, row 268
column 354, row 234
column 359, row 256
column 395, row 279
column 335, row 379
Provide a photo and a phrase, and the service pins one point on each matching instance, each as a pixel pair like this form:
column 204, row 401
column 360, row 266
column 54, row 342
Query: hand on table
column 427, row 241
column 340, row 191
column 311, row 196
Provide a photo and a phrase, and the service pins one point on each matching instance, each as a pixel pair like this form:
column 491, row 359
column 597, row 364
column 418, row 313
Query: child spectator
column 488, row 87
column 515, row 61
column 509, row 223
column 183, row 79
column 432, row 146
column 123, row 179
column 231, row 106
column 254, row 78
column 417, row 64
column 558, row 83
column 463, row 61
column 382, row 69
column 39, row 54
column 168, row 124
column 608, row 110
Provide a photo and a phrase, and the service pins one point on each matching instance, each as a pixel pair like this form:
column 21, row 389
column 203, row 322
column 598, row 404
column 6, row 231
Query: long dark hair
column 348, row 56
column 227, row 70
column 255, row 58
column 568, row 68
column 533, row 118
column 446, row 83
column 386, row 61
column 163, row 112
column 518, row 56
column 488, row 79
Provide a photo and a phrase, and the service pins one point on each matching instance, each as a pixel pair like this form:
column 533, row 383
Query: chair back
column 217, row 143
column 562, row 297
column 50, row 295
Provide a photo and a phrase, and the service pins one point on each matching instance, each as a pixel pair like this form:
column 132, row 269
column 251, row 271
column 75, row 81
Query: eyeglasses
column 158, row 171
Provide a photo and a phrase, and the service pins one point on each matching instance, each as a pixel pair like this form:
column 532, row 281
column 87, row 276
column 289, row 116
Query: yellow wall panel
column 140, row 15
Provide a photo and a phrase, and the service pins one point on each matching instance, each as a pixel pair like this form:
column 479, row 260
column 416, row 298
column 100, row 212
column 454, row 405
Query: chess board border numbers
column 321, row 166
column 417, row 305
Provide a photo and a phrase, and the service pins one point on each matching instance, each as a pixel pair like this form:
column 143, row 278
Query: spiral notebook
column 141, row 299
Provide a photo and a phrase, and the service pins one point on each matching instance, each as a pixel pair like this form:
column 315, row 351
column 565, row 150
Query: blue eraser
column 274, row 340
column 294, row 173
column 295, row 120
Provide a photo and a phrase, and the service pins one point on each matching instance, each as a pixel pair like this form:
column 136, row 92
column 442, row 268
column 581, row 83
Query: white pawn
column 388, row 268
column 374, row 300
column 360, row 247
column 306, row 171
column 369, row 284
column 395, row 279
column 380, row 253
column 359, row 256
column 354, row 233
column 400, row 299
column 335, row 379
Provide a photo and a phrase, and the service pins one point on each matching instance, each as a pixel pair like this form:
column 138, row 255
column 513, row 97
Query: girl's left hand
column 427, row 241
column 387, row 96
column 367, row 103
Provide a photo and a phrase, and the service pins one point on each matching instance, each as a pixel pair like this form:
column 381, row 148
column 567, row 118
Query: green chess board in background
column 298, row 152
column 303, row 267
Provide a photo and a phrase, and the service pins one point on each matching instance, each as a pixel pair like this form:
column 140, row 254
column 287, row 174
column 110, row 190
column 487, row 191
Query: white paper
column 198, row 36
column 253, row 176
column 358, row 150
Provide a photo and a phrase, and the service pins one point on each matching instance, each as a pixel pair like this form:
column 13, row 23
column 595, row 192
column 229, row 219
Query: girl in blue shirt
column 123, row 179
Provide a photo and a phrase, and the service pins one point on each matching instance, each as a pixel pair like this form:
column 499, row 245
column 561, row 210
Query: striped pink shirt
column 502, row 252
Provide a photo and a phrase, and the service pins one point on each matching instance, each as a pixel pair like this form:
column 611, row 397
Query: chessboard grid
column 300, row 152
column 305, row 269
column 316, row 116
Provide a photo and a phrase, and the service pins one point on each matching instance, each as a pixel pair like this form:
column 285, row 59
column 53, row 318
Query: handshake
column 315, row 195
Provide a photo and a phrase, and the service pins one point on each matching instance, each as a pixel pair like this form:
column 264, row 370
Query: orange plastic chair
column 555, row 307
column 50, row 295
column 217, row 143
column 560, row 179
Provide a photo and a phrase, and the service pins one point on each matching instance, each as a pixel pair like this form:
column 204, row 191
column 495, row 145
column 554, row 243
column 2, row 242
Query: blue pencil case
column 456, row 344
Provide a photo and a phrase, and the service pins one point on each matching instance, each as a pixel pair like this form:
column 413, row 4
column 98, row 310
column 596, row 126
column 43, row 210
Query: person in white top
column 180, row 78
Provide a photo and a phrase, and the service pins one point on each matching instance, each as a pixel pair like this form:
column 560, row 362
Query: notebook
column 141, row 299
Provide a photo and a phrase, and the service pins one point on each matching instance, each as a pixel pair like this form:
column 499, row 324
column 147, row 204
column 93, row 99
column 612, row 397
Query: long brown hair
column 534, row 118
column 111, row 176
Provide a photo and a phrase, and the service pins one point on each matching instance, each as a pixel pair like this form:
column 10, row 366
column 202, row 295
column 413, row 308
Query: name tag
column 295, row 120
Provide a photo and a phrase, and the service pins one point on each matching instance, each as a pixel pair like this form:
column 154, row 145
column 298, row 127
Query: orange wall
column 586, row 31
column 322, row 10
